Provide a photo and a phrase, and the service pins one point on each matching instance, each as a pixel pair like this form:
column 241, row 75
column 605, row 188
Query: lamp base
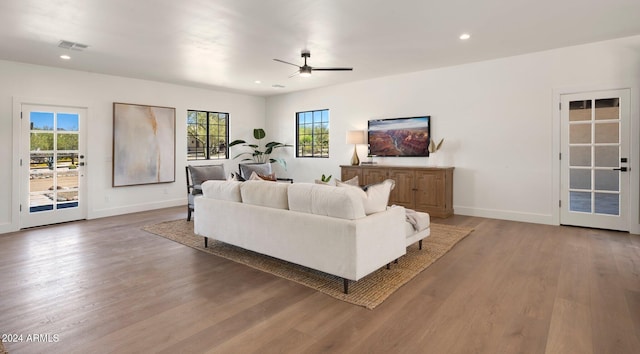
column 355, row 161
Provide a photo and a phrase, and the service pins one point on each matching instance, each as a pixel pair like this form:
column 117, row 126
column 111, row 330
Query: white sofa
column 316, row 226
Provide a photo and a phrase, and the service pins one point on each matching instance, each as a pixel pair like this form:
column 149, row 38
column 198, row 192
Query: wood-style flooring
column 106, row 286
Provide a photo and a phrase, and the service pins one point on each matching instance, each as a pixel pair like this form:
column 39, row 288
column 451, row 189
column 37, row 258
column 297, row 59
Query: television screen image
column 399, row 136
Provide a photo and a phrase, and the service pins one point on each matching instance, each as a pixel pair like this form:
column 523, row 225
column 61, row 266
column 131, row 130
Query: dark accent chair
column 196, row 175
column 262, row 168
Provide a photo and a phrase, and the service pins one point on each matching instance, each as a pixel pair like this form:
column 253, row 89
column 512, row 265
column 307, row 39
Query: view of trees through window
column 207, row 135
column 312, row 135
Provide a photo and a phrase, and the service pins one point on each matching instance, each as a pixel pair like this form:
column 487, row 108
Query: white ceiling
column 229, row 44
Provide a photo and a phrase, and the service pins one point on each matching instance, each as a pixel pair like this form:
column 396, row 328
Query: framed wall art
column 144, row 139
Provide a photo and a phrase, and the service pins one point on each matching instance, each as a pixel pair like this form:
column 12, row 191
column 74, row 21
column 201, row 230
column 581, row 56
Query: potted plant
column 260, row 153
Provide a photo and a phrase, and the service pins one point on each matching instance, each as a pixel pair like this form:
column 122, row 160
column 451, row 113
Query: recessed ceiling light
column 65, row 57
column 258, row 82
column 465, row 36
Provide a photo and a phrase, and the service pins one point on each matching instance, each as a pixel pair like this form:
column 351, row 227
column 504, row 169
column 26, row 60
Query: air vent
column 277, row 86
column 72, row 45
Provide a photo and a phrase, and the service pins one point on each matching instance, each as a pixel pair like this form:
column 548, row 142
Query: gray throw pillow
column 200, row 174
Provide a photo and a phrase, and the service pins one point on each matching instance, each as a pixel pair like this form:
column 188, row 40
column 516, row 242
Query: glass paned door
column 594, row 159
column 53, row 182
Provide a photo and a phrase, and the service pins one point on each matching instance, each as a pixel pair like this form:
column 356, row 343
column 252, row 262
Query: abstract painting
column 143, row 144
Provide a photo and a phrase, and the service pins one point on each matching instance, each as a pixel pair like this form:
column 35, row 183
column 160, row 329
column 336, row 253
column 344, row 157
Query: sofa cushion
column 222, row 190
column 343, row 203
column 199, row 174
column 264, row 193
column 376, row 198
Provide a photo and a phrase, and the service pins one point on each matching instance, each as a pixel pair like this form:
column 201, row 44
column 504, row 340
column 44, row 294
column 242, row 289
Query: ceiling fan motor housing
column 305, row 70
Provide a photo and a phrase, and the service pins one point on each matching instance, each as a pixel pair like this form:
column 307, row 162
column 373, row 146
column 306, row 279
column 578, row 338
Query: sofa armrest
column 379, row 236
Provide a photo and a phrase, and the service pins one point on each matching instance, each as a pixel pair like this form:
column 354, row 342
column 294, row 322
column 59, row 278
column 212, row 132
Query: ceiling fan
column 306, row 70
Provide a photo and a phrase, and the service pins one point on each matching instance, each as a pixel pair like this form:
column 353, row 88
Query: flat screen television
column 408, row 136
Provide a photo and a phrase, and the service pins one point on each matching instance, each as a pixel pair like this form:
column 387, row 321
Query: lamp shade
column 356, row 137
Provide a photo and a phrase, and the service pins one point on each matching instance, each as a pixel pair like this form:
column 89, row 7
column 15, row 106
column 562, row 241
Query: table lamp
column 356, row 137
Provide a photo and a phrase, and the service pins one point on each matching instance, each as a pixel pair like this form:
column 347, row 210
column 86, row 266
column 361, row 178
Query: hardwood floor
column 105, row 286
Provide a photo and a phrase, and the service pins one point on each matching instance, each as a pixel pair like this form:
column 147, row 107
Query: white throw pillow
column 222, row 190
column 376, row 198
column 352, row 182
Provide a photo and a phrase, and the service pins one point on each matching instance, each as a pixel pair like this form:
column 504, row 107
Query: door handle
column 621, row 169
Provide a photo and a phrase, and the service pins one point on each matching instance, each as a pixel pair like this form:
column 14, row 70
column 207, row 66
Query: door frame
column 633, row 219
column 18, row 101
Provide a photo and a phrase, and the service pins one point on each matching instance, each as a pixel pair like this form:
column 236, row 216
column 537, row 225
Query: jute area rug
column 368, row 292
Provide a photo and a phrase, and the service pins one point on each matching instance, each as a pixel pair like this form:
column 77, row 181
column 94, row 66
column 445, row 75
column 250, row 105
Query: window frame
column 314, row 125
column 208, row 145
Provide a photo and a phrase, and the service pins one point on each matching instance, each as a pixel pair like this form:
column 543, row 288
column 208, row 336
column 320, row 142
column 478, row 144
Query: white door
column 595, row 159
column 52, row 145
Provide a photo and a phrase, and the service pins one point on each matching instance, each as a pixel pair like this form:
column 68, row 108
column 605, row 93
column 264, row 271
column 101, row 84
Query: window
column 312, row 136
column 207, row 135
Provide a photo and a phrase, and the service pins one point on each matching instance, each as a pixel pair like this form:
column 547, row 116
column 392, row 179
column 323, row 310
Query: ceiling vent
column 72, row 45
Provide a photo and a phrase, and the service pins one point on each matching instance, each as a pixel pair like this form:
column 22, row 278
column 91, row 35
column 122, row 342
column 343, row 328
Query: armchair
column 196, row 175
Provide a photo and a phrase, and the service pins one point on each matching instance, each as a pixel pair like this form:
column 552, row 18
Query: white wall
column 98, row 92
column 498, row 118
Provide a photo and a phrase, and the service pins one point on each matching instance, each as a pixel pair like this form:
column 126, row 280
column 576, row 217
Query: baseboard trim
column 505, row 215
column 8, row 227
column 103, row 213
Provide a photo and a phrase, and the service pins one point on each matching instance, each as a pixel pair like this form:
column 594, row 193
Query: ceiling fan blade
column 294, row 74
column 332, row 69
column 286, row 62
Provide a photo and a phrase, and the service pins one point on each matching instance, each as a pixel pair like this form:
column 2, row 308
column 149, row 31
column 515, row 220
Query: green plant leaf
column 259, row 133
column 274, row 144
column 236, row 142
